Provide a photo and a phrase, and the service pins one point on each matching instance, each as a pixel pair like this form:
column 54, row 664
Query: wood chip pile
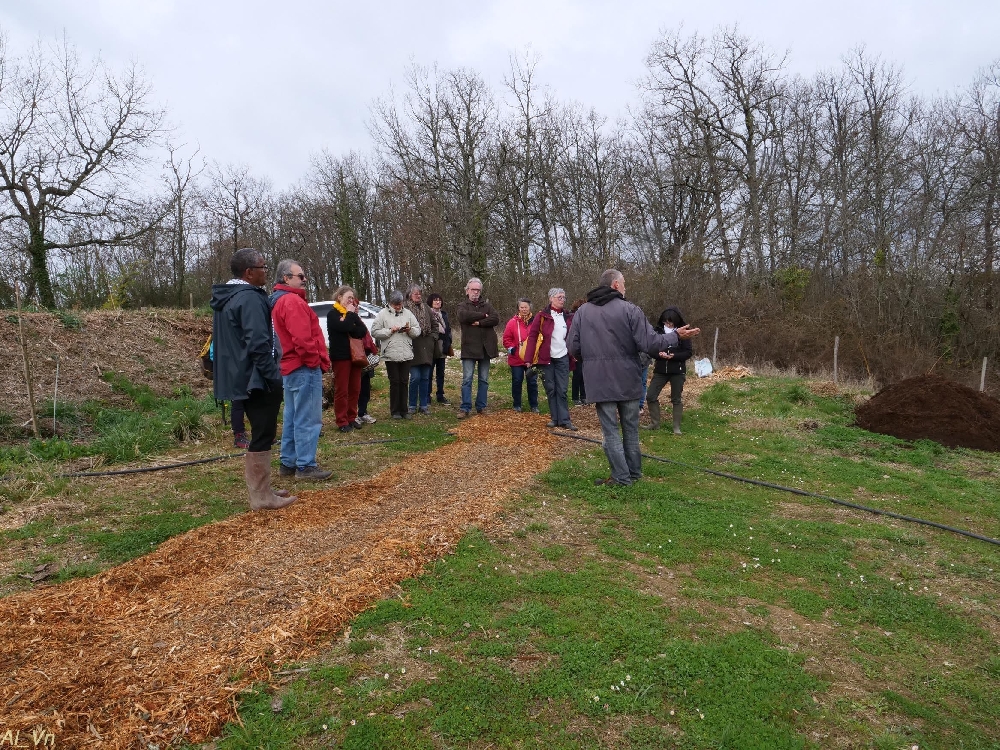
column 157, row 650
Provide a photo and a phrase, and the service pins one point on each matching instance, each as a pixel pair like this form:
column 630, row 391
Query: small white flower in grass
column 628, row 678
column 402, row 670
column 671, row 712
column 597, row 699
column 324, row 727
column 385, row 676
column 353, row 722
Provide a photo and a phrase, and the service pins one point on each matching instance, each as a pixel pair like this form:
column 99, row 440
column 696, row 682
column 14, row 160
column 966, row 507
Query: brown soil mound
column 158, row 348
column 157, row 650
column 933, row 408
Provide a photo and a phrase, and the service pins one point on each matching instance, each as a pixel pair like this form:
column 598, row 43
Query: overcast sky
column 269, row 83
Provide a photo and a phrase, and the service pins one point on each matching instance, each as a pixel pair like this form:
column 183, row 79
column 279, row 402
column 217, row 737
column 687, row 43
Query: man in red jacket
column 304, row 359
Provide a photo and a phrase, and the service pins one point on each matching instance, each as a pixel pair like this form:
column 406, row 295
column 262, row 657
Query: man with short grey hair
column 479, row 344
column 552, row 355
column 304, row 359
column 609, row 333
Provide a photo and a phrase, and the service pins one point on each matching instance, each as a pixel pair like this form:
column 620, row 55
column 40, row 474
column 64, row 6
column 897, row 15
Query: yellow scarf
column 341, row 309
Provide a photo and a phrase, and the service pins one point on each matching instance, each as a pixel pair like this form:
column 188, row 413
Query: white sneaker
column 368, row 418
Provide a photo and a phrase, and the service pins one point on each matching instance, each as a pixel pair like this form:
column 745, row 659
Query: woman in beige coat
column 394, row 328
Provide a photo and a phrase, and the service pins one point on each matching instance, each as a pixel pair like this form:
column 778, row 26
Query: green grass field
column 687, row 611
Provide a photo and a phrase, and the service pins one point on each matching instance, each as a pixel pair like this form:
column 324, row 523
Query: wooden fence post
column 982, row 376
column 836, row 347
column 191, row 300
column 715, row 348
column 24, row 356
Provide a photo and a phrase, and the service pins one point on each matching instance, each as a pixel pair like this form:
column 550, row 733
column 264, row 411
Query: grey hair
column 523, row 299
column 476, row 279
column 610, row 276
column 284, row 269
column 243, row 259
column 396, row 298
column 414, row 287
column 556, row 290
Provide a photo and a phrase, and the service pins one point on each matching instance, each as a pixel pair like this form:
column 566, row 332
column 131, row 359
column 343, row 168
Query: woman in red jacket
column 343, row 324
column 515, row 334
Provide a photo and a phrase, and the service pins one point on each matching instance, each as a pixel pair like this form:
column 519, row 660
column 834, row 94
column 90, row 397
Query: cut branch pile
column 157, row 650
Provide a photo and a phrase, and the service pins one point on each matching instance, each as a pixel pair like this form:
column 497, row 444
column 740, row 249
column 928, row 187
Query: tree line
column 759, row 200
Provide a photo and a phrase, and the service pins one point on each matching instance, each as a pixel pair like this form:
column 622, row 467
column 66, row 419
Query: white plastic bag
column 703, row 367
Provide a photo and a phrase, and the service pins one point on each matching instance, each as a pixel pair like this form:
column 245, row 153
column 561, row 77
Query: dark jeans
column 420, row 386
column 579, row 391
column 262, row 409
column 556, row 376
column 365, row 395
column 660, row 380
column 399, row 380
column 438, row 369
column 622, row 448
column 236, row 418
column 517, row 378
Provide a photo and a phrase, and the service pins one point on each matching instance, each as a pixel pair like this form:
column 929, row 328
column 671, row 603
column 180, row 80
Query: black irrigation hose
column 794, row 491
column 146, row 469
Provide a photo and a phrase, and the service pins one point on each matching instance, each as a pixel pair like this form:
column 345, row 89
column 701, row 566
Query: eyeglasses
column 299, row 276
column 259, row 268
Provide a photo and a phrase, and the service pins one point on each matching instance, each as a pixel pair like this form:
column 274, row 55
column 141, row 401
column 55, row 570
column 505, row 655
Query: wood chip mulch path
column 157, row 650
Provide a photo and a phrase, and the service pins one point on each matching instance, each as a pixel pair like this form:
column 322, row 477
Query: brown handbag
column 359, row 357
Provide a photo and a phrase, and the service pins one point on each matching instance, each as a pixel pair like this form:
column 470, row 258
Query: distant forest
column 783, row 210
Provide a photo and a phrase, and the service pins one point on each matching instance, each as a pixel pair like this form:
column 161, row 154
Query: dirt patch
column 158, row 348
column 158, row 649
column 934, row 408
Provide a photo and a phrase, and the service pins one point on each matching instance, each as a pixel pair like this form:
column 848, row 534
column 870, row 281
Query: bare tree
column 74, row 138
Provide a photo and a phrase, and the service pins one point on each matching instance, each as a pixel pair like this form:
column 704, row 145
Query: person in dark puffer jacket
column 669, row 368
column 246, row 368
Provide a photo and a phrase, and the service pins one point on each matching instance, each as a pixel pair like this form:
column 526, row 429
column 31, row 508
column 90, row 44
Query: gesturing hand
column 687, row 332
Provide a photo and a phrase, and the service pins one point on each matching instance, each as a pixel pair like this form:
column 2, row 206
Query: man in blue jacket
column 246, row 367
column 609, row 332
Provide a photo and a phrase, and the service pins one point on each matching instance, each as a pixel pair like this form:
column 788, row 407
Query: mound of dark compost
column 933, row 408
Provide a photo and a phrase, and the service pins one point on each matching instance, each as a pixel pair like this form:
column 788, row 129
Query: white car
column 366, row 311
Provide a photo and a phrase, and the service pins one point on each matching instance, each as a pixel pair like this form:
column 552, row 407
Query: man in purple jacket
column 609, row 333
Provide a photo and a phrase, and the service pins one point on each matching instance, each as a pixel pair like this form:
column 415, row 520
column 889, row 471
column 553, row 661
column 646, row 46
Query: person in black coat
column 669, row 368
column 442, row 347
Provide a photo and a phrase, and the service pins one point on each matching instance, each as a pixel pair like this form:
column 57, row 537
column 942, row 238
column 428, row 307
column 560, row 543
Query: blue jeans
column 556, row 376
column 517, row 377
column 622, row 449
column 645, row 384
column 468, row 370
column 420, row 385
column 303, row 417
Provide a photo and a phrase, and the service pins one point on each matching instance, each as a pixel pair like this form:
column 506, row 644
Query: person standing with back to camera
column 609, row 332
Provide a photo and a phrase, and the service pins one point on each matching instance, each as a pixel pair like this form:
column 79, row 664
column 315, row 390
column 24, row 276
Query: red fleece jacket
column 298, row 330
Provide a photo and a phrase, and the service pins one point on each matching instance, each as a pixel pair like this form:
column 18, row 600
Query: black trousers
column 365, row 395
column 262, row 409
column 399, row 386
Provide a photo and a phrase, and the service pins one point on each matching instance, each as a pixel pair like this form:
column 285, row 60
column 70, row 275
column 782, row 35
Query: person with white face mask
column 669, row 368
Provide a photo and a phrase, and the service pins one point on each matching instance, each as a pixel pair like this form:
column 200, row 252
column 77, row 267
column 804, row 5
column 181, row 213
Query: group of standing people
column 270, row 349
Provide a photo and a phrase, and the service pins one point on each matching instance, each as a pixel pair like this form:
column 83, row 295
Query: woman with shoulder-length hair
column 514, row 335
column 343, row 324
column 669, row 368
